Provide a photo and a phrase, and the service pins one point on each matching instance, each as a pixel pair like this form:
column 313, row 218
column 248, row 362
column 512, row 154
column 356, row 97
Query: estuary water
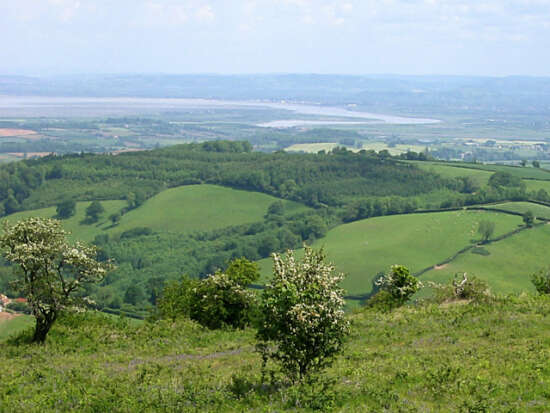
column 37, row 106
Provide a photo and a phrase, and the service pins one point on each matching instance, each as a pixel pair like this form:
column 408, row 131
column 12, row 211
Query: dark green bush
column 217, row 301
column 541, row 281
column 19, row 307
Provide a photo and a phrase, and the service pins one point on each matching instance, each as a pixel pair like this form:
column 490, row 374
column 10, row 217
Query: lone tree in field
column 51, row 271
column 486, row 230
column 94, row 211
column 304, row 325
column 66, row 209
column 528, row 218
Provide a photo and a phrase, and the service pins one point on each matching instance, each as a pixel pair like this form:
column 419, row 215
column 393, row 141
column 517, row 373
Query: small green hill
column 362, row 249
column 201, row 208
column 423, row 358
column 181, row 209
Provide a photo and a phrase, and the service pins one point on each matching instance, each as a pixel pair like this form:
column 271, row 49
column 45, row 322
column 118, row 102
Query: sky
column 417, row 37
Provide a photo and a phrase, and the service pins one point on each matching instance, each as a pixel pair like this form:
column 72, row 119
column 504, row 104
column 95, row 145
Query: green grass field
column 201, row 208
column 14, row 326
column 448, row 171
column 78, row 230
column 182, row 209
column 520, row 172
column 522, row 207
column 362, row 249
column 533, row 185
column 509, row 265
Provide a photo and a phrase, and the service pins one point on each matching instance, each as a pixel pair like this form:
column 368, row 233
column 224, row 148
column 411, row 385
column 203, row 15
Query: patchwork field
column 182, row 209
column 362, row 249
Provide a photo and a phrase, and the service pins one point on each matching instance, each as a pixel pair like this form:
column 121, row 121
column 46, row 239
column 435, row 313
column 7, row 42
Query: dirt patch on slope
column 440, row 267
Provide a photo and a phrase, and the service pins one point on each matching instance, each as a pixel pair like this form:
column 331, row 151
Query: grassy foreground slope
column 181, row 209
column 457, row 358
column 363, row 248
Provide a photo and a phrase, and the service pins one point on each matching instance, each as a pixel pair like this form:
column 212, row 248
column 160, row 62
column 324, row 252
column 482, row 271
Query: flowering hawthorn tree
column 304, row 325
column 51, row 270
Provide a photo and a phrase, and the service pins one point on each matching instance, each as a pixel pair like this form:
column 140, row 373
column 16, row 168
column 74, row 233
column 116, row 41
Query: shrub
column 399, row 283
column 19, row 307
column 303, row 324
column 541, row 281
column 382, row 301
column 243, row 271
column 219, row 301
column 466, row 288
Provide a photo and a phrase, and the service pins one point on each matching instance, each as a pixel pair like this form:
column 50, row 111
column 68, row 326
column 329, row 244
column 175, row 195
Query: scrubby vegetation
column 482, row 357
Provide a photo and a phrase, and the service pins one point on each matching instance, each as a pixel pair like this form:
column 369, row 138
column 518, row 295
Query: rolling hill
column 176, row 210
column 362, row 249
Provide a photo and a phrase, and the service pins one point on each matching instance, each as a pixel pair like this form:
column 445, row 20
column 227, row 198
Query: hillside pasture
column 448, row 171
column 520, row 172
column 364, row 248
column 181, row 209
column 201, row 208
column 80, row 231
column 522, row 207
column 509, row 264
column 535, row 185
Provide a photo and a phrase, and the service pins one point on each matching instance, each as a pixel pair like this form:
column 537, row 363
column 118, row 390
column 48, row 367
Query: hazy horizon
column 348, row 37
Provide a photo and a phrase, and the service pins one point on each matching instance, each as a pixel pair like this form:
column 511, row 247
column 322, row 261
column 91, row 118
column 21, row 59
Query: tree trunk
column 43, row 325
